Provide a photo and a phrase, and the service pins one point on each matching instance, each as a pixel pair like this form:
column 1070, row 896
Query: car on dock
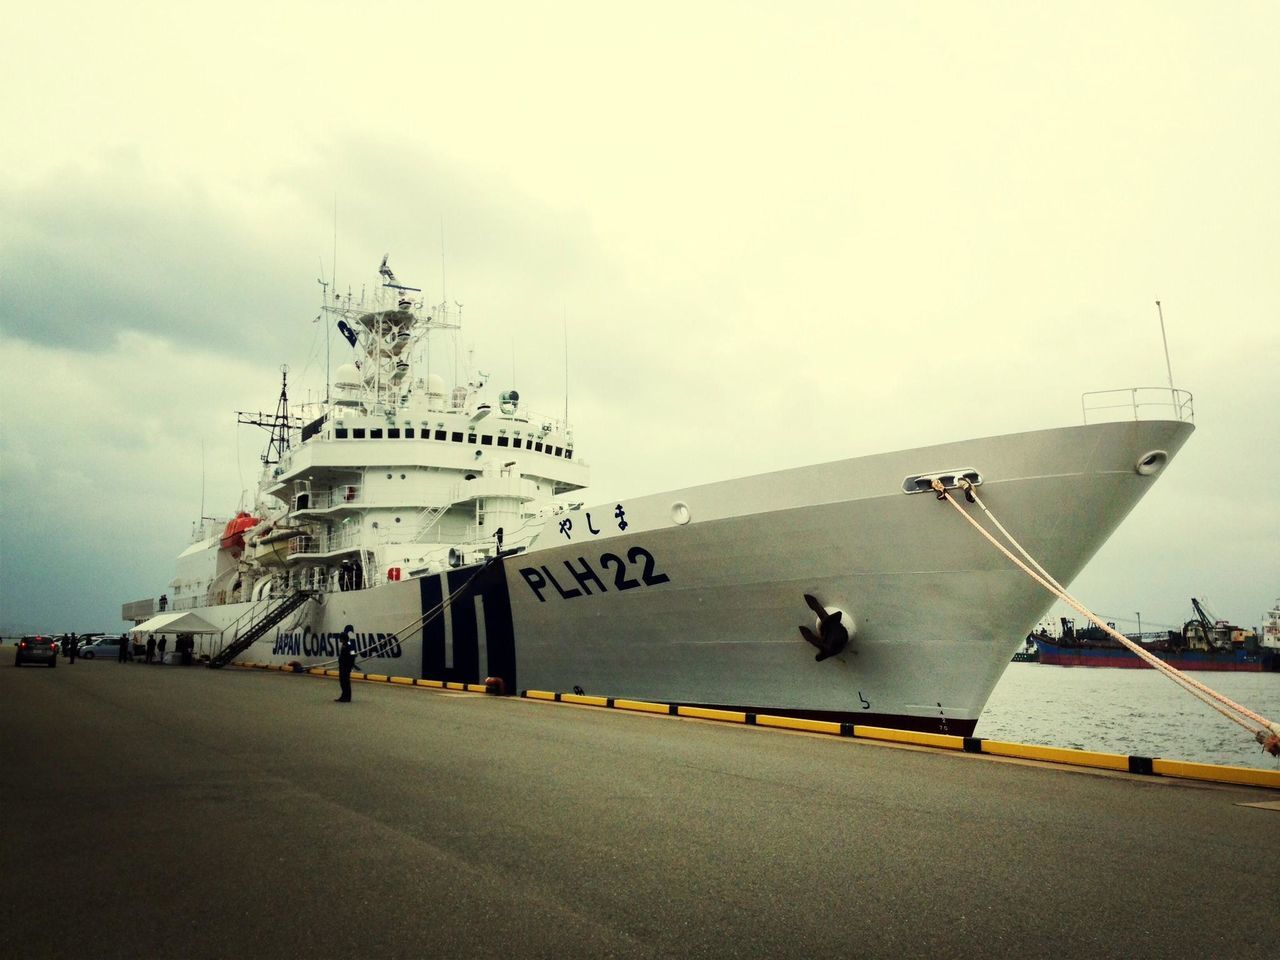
column 103, row 648
column 36, row 649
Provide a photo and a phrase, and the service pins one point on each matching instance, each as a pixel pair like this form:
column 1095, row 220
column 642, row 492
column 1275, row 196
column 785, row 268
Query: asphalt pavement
column 163, row 811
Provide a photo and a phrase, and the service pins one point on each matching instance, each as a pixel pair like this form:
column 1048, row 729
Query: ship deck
column 243, row 813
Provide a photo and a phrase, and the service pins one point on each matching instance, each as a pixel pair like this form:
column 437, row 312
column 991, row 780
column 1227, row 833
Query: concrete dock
column 183, row 812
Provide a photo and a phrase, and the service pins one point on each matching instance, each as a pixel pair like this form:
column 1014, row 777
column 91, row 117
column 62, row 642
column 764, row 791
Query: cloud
column 773, row 240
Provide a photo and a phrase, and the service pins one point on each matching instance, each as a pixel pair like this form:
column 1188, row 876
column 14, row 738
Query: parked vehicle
column 36, row 649
column 106, row 648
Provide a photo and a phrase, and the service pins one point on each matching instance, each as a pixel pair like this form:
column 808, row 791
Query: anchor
column 832, row 636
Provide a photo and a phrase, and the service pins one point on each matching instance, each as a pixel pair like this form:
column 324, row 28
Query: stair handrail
column 271, row 616
column 251, row 613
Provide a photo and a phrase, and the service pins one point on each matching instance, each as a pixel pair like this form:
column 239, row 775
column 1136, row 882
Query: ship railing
column 139, row 610
column 305, row 544
column 1137, row 403
column 347, row 493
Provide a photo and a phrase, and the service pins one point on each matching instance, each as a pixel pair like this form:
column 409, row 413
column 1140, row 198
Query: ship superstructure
column 396, row 475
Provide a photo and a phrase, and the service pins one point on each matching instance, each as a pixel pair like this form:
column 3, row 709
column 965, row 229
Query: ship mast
column 385, row 335
column 278, row 425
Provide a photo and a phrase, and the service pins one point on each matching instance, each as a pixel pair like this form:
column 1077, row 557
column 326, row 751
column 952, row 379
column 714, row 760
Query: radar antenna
column 386, row 271
column 390, row 277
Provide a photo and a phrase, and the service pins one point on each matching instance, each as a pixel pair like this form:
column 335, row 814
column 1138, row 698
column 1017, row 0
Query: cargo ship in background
column 1203, row 643
column 443, row 527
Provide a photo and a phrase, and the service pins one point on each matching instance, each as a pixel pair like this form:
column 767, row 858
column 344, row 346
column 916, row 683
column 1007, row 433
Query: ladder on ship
column 428, row 519
column 258, row 623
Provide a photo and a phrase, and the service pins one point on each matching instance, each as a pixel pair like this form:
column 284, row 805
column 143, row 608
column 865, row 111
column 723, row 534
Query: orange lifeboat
column 233, row 534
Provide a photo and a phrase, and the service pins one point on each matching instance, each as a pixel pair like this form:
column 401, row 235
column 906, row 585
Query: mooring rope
column 1266, row 733
column 1191, row 684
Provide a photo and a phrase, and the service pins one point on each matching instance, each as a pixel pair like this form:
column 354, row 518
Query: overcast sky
column 777, row 234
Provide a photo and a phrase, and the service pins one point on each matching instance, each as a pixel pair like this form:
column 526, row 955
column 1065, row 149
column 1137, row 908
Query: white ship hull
column 627, row 601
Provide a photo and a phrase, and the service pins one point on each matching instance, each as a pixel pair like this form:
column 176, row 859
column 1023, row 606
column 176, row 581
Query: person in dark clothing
column 164, row 601
column 124, row 648
column 73, row 647
column 346, row 660
column 151, row 647
column 164, row 642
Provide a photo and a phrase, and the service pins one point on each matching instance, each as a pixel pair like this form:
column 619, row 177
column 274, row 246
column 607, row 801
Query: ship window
column 375, row 433
column 538, row 446
column 457, row 436
column 357, row 433
column 441, row 435
column 471, row 438
column 340, row 433
column 568, row 453
column 516, row 443
column 486, row 440
column 502, row 441
column 393, row 433
column 559, row 451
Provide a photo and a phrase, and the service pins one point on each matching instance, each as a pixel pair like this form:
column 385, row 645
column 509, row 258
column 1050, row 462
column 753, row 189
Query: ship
column 1028, row 652
column 1203, row 643
column 445, row 528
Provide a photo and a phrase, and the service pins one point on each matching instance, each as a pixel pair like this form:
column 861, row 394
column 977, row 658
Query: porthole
column 680, row 513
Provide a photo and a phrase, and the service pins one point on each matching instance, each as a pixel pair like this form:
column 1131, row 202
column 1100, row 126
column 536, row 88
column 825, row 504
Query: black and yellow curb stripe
column 1151, row 766
column 366, row 677
column 1148, row 766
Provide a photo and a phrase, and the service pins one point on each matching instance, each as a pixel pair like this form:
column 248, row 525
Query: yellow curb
column 1246, row 776
column 798, row 723
column 1078, row 758
column 644, row 706
column 941, row 740
column 706, row 713
column 584, row 699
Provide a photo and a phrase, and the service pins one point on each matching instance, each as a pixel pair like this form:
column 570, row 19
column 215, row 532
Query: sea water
column 1138, row 712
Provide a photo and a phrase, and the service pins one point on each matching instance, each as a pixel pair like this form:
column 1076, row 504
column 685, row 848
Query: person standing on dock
column 151, row 647
column 346, row 660
column 164, row 642
column 123, row 656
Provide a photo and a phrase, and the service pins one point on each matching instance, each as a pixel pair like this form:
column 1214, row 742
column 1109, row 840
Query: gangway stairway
column 277, row 609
